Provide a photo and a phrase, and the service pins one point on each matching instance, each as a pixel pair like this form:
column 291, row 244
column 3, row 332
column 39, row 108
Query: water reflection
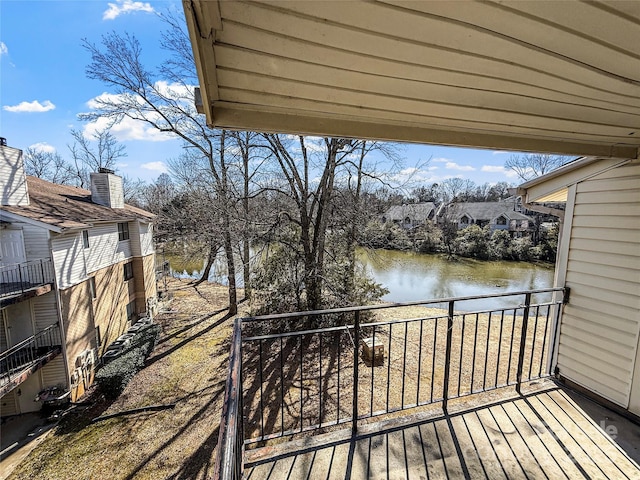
column 413, row 276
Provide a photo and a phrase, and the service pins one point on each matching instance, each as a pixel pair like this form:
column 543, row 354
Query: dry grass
column 188, row 367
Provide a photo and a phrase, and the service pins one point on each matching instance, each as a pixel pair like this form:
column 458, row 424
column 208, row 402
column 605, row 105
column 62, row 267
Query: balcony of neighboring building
column 25, row 358
column 21, row 281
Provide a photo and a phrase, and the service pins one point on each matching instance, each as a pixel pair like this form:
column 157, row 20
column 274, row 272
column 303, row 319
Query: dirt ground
column 188, row 367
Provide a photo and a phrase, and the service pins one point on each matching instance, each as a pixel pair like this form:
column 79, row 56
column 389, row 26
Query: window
column 92, row 287
column 464, row 220
column 123, row 231
column 501, row 220
column 128, row 271
column 85, row 238
column 131, row 309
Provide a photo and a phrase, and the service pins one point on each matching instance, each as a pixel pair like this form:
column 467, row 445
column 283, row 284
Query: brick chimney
column 106, row 189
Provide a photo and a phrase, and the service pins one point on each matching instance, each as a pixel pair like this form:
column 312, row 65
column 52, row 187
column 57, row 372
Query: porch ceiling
column 559, row 77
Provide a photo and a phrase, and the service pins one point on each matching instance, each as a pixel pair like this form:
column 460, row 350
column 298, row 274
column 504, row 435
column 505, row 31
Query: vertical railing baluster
column 260, row 369
column 544, row 340
column 338, row 335
column 533, row 340
column 513, row 331
column 523, row 340
column 404, row 364
column 281, row 389
column 320, row 365
column 499, row 347
column 356, row 334
column 464, row 321
column 389, row 367
column 419, row 364
column 301, row 382
column 42, row 269
column 433, row 356
column 486, row 351
column 20, row 279
column 447, row 360
column 372, row 372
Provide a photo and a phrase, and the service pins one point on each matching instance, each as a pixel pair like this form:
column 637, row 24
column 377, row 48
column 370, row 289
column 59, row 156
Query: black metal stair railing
column 29, row 352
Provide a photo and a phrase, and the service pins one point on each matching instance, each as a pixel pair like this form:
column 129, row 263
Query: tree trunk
column 211, row 258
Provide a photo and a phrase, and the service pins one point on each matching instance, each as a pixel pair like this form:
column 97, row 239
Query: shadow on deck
column 541, row 434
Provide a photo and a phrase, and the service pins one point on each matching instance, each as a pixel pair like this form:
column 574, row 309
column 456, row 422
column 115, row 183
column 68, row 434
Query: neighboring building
column 410, row 216
column 598, row 346
column 500, row 215
column 77, row 268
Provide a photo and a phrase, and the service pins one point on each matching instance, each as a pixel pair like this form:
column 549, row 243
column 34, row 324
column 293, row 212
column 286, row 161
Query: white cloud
column 3, row 48
column 155, row 166
column 125, row 6
column 43, row 147
column 499, row 169
column 451, row 165
column 127, row 129
column 500, row 152
column 34, row 106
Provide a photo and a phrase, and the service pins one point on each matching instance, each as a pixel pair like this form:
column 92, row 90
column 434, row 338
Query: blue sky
column 43, row 87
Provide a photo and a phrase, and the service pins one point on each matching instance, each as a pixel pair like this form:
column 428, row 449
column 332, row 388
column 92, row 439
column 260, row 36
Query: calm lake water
column 415, row 276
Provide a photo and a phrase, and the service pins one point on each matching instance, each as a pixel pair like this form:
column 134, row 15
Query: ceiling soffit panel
column 561, row 77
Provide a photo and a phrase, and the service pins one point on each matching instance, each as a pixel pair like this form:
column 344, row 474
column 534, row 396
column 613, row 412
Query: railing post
column 356, row 334
column 20, row 278
column 42, row 269
column 523, row 340
column 447, row 360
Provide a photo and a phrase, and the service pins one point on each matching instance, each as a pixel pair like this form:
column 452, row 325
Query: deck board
column 542, row 434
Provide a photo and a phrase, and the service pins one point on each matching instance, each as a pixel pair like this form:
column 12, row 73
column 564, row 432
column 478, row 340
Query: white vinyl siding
column 45, row 310
column 104, row 247
column 141, row 238
column 36, row 242
column 146, row 239
column 69, row 260
column 12, row 177
column 54, row 373
column 601, row 323
column 9, row 404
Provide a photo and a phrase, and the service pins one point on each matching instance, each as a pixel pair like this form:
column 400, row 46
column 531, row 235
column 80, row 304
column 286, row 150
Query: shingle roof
column 67, row 207
column 415, row 211
column 487, row 210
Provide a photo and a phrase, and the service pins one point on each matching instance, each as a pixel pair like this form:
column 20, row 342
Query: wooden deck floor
column 543, row 434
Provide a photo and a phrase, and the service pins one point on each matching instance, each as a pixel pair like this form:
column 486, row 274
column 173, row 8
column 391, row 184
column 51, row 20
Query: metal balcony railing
column 19, row 278
column 287, row 378
column 28, row 353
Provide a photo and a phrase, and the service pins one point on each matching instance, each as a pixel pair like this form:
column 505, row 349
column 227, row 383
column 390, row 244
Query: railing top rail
column 310, row 313
column 29, row 340
column 227, row 437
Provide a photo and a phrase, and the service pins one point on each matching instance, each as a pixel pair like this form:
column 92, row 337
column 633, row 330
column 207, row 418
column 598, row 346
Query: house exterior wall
column 36, row 242
column 78, row 323
column 598, row 343
column 68, row 259
column 13, row 180
column 104, row 247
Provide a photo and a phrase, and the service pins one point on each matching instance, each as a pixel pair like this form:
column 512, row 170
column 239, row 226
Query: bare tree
column 165, row 101
column 92, row 152
column 49, row 166
column 533, row 165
